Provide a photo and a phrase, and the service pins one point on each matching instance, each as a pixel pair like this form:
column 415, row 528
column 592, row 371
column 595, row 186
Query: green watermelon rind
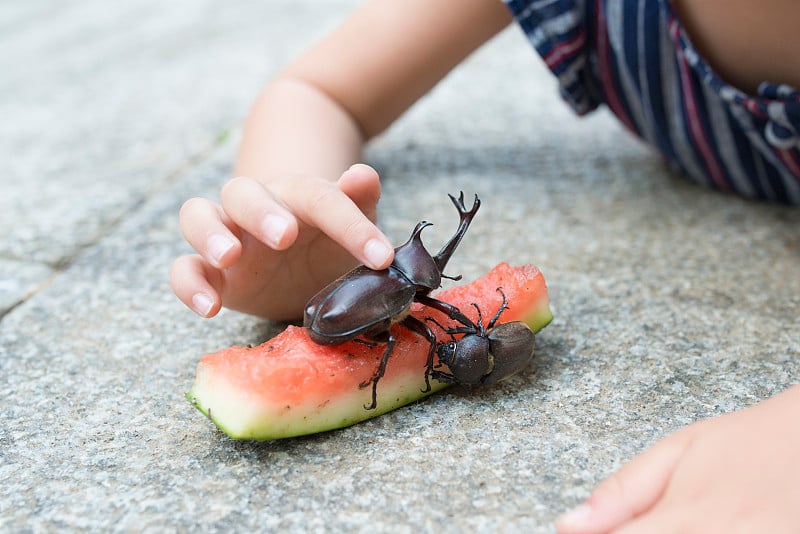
column 349, row 411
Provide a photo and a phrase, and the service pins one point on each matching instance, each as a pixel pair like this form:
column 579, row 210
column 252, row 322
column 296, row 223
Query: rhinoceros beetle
column 483, row 355
column 363, row 304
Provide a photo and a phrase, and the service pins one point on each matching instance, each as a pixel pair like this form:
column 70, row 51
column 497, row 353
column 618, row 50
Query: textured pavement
column 672, row 303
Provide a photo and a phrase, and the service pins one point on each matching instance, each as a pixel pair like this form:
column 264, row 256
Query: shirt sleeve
column 559, row 31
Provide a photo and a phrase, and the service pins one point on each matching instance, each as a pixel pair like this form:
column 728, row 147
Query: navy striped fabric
column 635, row 57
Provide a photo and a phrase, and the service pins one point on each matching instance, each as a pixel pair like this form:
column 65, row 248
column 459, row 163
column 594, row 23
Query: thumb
column 632, row 490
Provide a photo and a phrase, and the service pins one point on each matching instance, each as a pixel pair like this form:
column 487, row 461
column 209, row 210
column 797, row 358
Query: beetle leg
column 447, row 250
column 503, row 307
column 446, row 308
column 481, row 329
column 388, row 338
column 437, row 323
column 415, row 325
column 453, row 332
column 441, row 376
column 448, row 331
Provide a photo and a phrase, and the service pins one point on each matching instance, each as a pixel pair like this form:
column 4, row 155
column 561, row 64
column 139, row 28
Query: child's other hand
column 268, row 248
column 739, row 473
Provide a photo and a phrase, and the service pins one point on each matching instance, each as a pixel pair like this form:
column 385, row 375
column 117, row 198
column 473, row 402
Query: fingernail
column 578, row 517
column 218, row 246
column 377, row 252
column 274, row 227
column 202, row 304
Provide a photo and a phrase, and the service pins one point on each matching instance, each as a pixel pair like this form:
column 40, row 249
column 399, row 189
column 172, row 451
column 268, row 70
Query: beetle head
column 416, row 263
column 446, row 352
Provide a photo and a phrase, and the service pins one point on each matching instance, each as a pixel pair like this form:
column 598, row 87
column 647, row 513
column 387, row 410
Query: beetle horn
column 466, row 216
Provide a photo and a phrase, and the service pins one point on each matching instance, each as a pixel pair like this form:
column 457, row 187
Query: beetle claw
column 447, row 378
column 428, row 373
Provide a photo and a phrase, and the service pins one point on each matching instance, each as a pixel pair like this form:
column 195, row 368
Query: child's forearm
column 314, row 118
column 295, row 129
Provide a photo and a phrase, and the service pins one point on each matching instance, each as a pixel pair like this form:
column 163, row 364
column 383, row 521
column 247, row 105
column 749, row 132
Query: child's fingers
column 362, row 184
column 632, row 490
column 253, row 208
column 206, row 228
column 196, row 283
column 340, row 217
column 318, row 203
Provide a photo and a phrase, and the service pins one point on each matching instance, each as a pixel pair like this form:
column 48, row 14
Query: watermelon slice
column 291, row 386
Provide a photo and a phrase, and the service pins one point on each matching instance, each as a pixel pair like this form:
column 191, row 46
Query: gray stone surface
column 672, row 303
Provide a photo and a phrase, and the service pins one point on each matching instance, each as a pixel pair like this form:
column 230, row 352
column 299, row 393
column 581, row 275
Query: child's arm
column 299, row 217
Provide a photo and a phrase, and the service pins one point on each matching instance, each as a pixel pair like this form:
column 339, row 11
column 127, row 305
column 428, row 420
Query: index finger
column 324, row 205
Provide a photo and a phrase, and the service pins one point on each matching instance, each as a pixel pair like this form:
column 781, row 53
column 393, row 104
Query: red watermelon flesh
column 291, row 386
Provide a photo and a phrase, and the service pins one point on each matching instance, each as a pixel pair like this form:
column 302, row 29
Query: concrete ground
column 672, row 303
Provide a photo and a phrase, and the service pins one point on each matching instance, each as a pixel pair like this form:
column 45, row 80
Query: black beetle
column 365, row 303
column 483, row 355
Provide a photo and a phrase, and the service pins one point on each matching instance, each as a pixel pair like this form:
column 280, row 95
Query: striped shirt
column 635, row 57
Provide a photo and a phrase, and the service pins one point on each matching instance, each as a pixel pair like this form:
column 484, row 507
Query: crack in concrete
column 170, row 179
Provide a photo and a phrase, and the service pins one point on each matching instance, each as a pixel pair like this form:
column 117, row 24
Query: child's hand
column 267, row 249
column 736, row 473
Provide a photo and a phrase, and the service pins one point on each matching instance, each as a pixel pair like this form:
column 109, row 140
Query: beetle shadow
column 263, row 330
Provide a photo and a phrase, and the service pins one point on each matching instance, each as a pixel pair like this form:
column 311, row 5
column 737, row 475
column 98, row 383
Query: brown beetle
column 484, row 355
column 365, row 303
